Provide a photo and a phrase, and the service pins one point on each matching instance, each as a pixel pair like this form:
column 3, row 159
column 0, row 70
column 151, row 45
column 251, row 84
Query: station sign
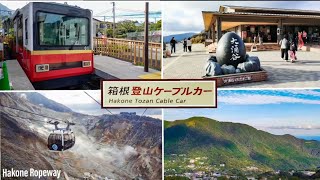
column 159, row 94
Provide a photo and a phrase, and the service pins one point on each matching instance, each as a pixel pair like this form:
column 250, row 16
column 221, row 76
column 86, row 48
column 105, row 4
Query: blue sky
column 295, row 112
column 182, row 17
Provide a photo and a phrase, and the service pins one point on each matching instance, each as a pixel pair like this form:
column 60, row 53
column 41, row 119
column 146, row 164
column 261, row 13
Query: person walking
column 185, row 45
column 293, row 49
column 189, row 44
column 300, row 41
column 284, row 46
column 173, row 43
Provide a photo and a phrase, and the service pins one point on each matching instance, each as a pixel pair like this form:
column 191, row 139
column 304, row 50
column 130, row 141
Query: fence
column 129, row 50
column 154, row 36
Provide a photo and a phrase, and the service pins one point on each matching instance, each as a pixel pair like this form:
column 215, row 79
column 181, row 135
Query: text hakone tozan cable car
column 54, row 44
column 61, row 139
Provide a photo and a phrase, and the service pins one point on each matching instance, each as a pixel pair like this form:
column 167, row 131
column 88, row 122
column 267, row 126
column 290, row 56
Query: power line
column 130, row 10
column 138, row 14
column 132, row 15
column 108, row 109
column 103, row 12
column 142, row 114
column 56, row 118
column 35, row 114
column 97, row 102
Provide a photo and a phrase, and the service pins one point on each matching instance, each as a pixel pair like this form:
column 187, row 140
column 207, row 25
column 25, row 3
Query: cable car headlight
column 42, row 67
column 54, row 147
column 86, row 63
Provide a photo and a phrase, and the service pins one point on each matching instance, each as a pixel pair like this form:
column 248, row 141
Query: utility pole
column 114, row 19
column 146, row 39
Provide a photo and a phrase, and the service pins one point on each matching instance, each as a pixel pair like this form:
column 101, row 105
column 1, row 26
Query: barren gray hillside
column 112, row 146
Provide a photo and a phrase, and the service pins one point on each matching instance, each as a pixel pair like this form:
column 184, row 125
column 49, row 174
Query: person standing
column 304, row 37
column 185, row 45
column 254, row 39
column 284, row 46
column 99, row 34
column 260, row 37
column 300, row 41
column 173, row 43
column 189, row 44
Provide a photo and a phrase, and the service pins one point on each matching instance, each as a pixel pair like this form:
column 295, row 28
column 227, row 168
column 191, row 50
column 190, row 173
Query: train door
column 26, row 43
column 22, row 40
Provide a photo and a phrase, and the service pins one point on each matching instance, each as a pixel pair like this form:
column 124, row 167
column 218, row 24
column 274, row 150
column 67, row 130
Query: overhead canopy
column 233, row 19
column 232, row 8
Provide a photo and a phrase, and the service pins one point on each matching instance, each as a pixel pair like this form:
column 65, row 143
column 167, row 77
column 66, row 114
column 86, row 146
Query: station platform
column 112, row 68
column 17, row 77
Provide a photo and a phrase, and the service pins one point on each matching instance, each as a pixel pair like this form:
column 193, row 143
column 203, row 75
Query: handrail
column 129, row 50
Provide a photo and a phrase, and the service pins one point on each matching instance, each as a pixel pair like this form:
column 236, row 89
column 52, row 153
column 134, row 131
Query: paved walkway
column 305, row 73
column 17, row 77
column 112, row 68
column 185, row 65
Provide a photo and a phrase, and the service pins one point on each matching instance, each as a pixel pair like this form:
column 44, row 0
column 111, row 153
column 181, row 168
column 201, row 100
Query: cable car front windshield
column 62, row 30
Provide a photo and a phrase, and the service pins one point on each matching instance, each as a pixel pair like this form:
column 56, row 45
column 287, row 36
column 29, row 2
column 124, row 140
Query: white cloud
column 246, row 99
column 301, row 127
column 98, row 7
column 305, row 92
column 181, row 17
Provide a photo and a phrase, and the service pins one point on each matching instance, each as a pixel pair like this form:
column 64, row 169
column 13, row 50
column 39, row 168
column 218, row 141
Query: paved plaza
column 305, row 73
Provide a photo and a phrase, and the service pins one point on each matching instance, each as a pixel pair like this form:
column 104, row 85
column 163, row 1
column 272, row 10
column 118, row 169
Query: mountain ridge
column 178, row 37
column 5, row 10
column 239, row 145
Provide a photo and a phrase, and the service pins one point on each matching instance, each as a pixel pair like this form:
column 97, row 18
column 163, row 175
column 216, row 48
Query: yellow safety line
column 156, row 75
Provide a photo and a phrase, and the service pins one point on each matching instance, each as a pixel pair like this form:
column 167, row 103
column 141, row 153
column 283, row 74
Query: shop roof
column 266, row 9
column 210, row 16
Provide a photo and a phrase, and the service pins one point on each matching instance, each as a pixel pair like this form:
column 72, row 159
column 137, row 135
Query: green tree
column 126, row 26
column 156, row 26
column 109, row 32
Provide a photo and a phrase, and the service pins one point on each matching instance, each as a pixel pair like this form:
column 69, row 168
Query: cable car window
column 66, row 137
column 58, row 137
column 62, row 30
column 26, row 30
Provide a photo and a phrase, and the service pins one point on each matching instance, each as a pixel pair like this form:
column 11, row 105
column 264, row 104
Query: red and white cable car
column 54, row 44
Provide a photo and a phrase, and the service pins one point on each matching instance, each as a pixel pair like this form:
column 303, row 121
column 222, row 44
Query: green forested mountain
column 238, row 145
